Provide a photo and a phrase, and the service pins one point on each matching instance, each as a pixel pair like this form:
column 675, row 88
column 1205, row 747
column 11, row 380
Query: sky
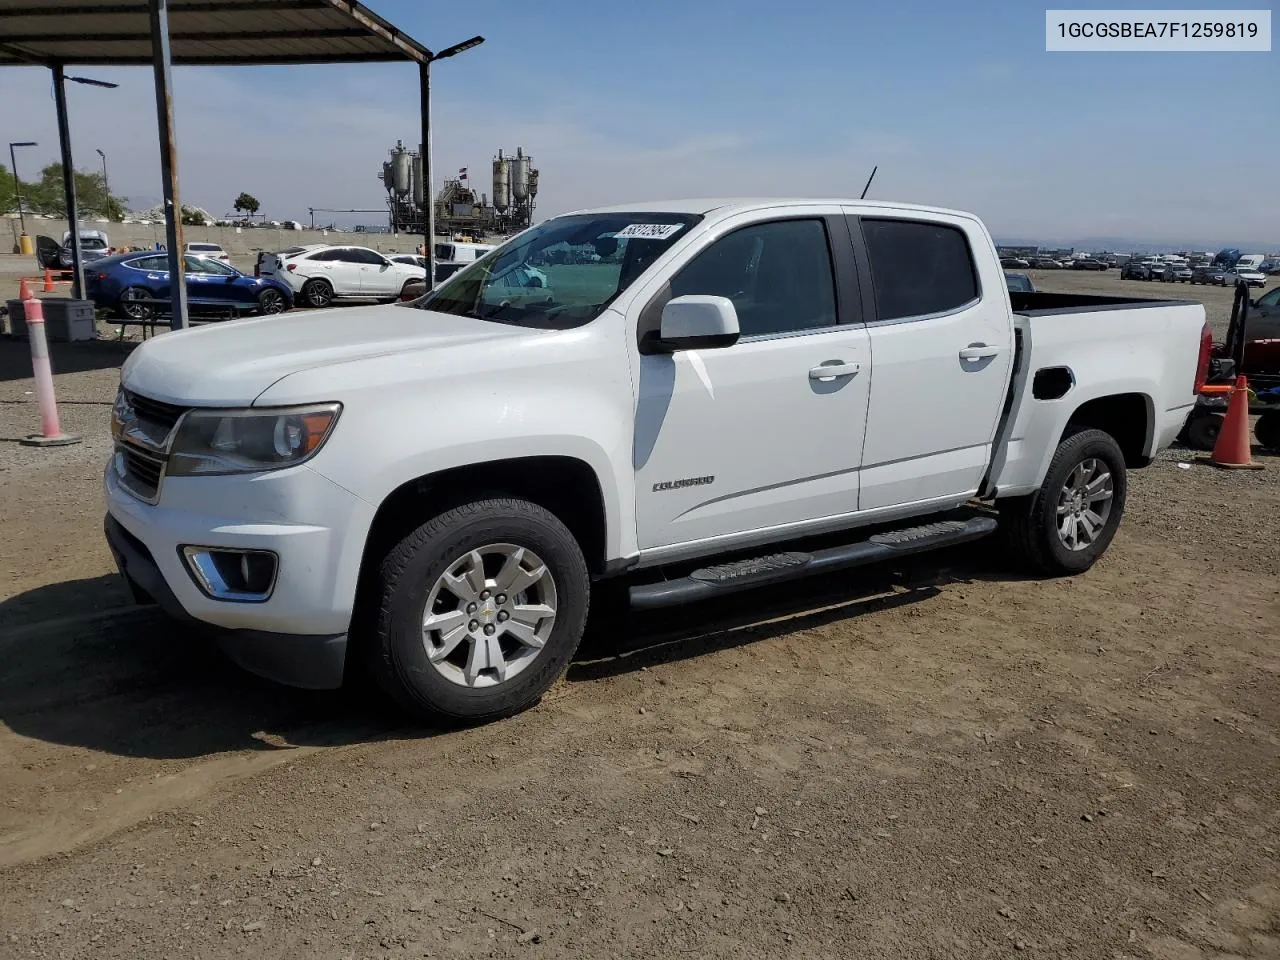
column 958, row 104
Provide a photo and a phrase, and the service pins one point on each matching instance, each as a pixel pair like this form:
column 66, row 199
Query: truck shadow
column 86, row 668
column 619, row 640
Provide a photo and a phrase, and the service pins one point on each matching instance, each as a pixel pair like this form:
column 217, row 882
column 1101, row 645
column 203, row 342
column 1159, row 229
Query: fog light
column 241, row 576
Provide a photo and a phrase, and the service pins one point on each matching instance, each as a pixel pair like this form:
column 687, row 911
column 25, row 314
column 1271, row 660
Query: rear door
column 942, row 343
column 342, row 268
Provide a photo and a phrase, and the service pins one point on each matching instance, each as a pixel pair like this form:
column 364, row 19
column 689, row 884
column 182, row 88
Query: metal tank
column 533, row 183
column 501, row 183
column 400, row 170
column 386, row 174
column 419, row 192
column 519, row 175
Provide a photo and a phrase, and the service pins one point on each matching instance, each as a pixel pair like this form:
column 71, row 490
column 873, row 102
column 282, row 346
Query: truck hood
column 233, row 362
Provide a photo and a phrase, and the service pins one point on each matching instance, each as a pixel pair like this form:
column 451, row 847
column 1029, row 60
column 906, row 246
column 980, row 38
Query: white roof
column 726, row 206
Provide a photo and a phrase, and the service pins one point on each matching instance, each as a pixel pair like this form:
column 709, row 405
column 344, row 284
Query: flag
column 462, row 173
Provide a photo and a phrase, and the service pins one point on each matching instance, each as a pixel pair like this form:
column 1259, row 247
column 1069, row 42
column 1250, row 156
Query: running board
column 724, row 578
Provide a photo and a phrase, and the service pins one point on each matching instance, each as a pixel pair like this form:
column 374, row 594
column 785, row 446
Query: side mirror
column 697, row 322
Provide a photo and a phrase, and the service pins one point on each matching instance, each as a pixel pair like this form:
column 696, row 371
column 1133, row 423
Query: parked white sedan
column 320, row 275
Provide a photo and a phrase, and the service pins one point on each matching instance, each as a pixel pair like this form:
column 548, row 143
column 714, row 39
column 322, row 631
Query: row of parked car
column 1048, row 263
column 135, row 285
column 1209, row 273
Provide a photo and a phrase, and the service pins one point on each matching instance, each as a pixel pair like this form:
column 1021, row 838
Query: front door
column 345, row 270
column 943, row 344
column 768, row 432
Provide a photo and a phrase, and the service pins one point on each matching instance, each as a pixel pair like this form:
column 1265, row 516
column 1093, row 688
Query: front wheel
column 1066, row 525
column 480, row 610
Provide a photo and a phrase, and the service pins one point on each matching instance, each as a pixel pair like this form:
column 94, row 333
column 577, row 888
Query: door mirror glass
column 697, row 322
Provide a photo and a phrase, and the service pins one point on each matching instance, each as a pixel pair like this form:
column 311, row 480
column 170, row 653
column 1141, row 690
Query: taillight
column 1206, row 350
column 291, row 267
column 101, row 276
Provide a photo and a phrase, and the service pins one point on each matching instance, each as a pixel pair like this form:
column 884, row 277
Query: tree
column 46, row 194
column 246, row 202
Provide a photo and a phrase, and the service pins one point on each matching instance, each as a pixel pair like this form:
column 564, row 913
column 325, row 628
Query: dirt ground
column 940, row 760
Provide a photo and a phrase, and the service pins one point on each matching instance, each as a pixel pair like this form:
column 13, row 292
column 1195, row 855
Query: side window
column 370, row 256
column 323, row 255
column 1270, row 299
column 150, row 263
column 918, row 268
column 777, row 274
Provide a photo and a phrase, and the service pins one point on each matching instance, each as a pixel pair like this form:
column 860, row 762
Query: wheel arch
column 565, row 485
column 1129, row 418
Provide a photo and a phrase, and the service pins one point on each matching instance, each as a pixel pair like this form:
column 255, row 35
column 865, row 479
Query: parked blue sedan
column 127, row 283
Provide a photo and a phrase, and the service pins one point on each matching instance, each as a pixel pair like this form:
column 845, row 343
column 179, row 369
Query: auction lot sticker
column 1158, row 31
column 649, row 231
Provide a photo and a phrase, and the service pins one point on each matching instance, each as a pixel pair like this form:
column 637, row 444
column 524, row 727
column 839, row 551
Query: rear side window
column 325, row 255
column 918, row 268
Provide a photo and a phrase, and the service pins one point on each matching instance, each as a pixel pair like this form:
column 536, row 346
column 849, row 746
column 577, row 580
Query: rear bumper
column 315, row 662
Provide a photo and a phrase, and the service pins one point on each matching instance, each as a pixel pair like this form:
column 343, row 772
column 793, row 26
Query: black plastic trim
column 908, row 540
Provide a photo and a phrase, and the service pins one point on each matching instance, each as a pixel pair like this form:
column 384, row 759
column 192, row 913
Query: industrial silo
column 419, row 190
column 400, row 170
column 501, row 183
column 519, row 175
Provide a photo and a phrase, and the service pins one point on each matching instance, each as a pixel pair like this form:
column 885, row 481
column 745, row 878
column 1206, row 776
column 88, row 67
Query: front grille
column 156, row 411
column 144, row 431
column 139, row 471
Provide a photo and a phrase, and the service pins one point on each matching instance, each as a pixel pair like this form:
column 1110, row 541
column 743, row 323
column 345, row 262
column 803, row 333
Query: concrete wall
column 236, row 241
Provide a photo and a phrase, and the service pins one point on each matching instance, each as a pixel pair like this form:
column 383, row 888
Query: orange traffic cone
column 48, row 280
column 24, row 292
column 1232, row 449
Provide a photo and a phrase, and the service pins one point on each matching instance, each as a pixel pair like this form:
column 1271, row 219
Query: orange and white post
column 50, row 434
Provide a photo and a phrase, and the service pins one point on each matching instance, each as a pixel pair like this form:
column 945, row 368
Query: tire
column 137, row 311
column 417, row 571
column 271, row 301
column 1031, row 523
column 1267, row 430
column 317, row 293
column 1203, row 429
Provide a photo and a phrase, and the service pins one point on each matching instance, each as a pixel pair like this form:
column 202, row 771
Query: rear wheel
column 480, row 610
column 1066, row 525
column 131, row 304
column 1267, row 430
column 271, row 301
column 317, row 293
column 1203, row 430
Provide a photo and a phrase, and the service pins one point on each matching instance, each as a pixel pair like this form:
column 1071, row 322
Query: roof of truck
column 730, row 205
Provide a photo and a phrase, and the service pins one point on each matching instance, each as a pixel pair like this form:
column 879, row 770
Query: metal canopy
column 160, row 33
column 201, row 33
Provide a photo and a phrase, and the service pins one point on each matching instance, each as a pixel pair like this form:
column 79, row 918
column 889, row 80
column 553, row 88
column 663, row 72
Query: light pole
column 424, row 79
column 68, row 169
column 106, row 184
column 13, row 165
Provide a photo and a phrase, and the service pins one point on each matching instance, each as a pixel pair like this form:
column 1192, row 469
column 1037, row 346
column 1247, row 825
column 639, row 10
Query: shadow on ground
column 76, row 357
column 86, row 668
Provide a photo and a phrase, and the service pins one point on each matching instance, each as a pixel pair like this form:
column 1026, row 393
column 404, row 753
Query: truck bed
column 1041, row 303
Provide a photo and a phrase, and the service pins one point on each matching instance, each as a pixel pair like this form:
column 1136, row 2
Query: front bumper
column 311, row 662
column 298, row 634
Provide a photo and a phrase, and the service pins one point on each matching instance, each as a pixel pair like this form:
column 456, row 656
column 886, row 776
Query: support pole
column 68, row 181
column 162, row 64
column 429, row 221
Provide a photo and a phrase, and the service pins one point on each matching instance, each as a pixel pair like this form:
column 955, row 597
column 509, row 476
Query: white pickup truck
column 429, row 490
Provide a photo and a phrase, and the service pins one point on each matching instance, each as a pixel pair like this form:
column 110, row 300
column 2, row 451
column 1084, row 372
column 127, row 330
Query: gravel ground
column 940, row 760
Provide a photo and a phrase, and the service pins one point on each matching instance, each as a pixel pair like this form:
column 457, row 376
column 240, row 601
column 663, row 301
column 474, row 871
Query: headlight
column 249, row 441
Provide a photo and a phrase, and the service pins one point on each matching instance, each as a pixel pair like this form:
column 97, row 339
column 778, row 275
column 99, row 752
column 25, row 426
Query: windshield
column 92, row 243
column 562, row 273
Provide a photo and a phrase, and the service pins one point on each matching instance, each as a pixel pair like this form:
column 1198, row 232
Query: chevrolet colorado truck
column 692, row 393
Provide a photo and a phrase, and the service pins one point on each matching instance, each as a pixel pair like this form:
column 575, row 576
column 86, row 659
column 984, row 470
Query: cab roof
column 727, row 206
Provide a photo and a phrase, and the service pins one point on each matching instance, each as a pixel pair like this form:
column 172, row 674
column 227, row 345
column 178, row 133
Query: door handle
column 978, row 351
column 833, row 369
